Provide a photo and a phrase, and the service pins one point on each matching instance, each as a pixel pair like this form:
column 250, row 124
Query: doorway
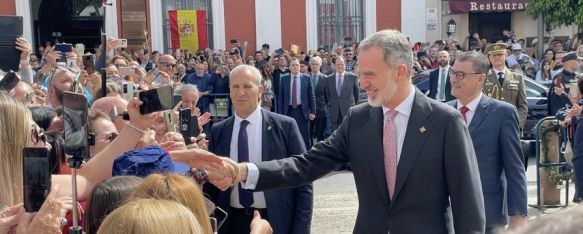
column 490, row 25
column 67, row 21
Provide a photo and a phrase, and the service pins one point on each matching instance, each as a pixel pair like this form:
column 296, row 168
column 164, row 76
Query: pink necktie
column 464, row 110
column 390, row 150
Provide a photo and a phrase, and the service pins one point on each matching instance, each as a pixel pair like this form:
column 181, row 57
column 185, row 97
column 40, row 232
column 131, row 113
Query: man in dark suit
column 255, row 135
column 319, row 126
column 342, row 92
column 411, row 156
column 439, row 86
column 494, row 129
column 296, row 99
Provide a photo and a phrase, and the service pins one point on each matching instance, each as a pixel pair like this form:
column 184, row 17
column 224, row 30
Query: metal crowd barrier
column 221, row 108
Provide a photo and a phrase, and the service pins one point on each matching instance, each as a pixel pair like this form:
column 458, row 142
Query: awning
column 465, row 6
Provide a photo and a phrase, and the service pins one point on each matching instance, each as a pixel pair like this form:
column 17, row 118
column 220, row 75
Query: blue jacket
column 495, row 136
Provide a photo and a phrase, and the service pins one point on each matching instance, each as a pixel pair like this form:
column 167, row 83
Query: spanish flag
column 188, row 29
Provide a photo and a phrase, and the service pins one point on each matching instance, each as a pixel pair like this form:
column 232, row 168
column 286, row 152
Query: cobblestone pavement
column 336, row 202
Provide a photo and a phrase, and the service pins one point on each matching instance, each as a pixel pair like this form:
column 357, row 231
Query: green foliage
column 557, row 13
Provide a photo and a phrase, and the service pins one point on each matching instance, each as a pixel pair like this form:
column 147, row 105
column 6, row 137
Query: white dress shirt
column 441, row 70
column 254, row 137
column 503, row 73
column 401, row 121
column 472, row 106
column 298, row 88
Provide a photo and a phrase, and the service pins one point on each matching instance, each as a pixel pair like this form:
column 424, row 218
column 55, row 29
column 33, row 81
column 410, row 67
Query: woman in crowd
column 103, row 130
column 543, row 76
column 176, row 188
column 106, row 197
column 150, row 216
column 267, row 96
column 16, row 132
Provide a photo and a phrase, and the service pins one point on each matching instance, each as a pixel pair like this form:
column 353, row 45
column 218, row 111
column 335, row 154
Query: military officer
column 504, row 84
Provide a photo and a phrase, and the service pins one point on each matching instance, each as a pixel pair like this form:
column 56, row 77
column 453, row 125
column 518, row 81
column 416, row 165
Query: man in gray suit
column 412, row 157
column 342, row 92
column 493, row 126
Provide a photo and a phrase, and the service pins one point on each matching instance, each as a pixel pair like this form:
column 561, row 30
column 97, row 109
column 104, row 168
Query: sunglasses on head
column 167, row 64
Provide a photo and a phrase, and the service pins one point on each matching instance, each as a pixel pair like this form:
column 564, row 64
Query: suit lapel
column 481, row 112
column 375, row 128
column 228, row 132
column 414, row 138
column 267, row 126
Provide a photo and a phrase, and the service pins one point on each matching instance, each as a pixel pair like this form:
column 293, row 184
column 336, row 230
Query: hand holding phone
column 156, row 100
column 123, row 43
column 89, row 64
column 36, row 177
column 64, row 48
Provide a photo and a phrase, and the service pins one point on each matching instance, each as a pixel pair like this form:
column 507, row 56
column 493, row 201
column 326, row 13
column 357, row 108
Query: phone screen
column 156, row 100
column 9, row 81
column 75, row 116
column 36, row 177
column 64, row 48
column 128, row 91
column 168, row 123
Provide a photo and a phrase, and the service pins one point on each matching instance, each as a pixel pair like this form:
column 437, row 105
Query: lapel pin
column 268, row 127
column 422, row 130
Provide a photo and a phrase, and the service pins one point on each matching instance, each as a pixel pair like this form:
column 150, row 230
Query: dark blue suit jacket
column 288, row 210
column 307, row 95
column 495, row 136
column 433, row 81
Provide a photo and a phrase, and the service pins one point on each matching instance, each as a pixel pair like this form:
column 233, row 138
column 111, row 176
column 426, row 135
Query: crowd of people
column 452, row 155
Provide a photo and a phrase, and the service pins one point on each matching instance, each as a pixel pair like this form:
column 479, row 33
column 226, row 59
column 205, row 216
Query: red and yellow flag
column 188, row 29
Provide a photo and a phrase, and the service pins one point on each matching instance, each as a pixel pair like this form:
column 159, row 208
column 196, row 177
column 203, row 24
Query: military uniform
column 512, row 89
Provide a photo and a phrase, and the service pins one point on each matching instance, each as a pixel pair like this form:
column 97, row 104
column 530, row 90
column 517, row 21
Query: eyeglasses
column 37, row 134
column 461, row 75
column 110, row 136
column 120, row 65
column 167, row 65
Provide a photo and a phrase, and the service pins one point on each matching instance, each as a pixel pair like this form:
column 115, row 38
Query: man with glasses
column 493, row 127
column 349, row 61
column 61, row 80
column 167, row 68
column 503, row 84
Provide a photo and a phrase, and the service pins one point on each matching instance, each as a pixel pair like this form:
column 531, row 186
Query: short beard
column 443, row 63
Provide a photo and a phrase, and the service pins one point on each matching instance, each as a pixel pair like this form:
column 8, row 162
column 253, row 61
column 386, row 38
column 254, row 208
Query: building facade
column 310, row 24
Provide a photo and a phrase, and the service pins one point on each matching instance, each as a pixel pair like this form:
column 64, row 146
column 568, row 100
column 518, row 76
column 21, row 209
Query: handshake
column 222, row 172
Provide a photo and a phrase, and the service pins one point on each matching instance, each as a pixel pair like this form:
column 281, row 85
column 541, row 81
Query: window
column 170, row 5
column 339, row 20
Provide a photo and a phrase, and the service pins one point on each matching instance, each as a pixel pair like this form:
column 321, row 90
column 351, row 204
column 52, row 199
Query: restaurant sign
column 465, row 6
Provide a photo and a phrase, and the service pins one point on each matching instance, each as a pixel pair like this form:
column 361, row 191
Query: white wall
column 413, row 19
column 268, row 23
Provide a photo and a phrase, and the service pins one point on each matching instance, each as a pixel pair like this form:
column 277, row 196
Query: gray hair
column 396, row 48
column 247, row 68
column 480, row 62
column 186, row 88
column 316, row 59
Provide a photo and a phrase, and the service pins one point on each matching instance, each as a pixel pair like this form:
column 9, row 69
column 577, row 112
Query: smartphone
column 9, row 81
column 75, row 116
column 36, row 177
column 234, row 41
column 11, row 29
column 176, row 99
column 156, row 99
column 188, row 125
column 128, row 91
column 29, row 97
column 279, row 51
column 168, row 122
column 126, row 71
column 89, row 64
column 123, row 43
column 80, row 49
column 559, row 82
column 64, row 48
column 151, row 77
column 574, row 90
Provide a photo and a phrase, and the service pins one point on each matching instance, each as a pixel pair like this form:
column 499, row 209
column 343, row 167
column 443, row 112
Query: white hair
column 247, row 68
column 316, row 59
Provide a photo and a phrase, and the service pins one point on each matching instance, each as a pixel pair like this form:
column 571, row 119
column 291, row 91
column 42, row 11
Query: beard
column 443, row 63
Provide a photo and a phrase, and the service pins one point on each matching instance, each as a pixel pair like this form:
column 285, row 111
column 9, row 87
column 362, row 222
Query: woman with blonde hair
column 177, row 188
column 150, row 216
